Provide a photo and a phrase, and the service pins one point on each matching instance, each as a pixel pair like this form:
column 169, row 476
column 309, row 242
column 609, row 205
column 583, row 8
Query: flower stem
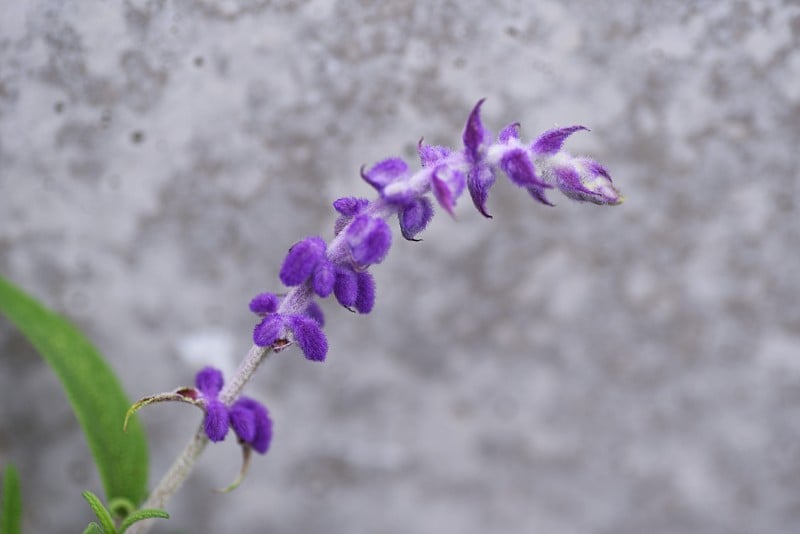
column 175, row 476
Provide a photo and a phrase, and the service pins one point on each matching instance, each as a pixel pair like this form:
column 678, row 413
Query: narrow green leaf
column 100, row 511
column 92, row 388
column 93, row 528
column 120, row 507
column 141, row 515
column 11, row 519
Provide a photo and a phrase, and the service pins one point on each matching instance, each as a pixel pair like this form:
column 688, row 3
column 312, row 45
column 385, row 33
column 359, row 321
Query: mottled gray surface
column 569, row 370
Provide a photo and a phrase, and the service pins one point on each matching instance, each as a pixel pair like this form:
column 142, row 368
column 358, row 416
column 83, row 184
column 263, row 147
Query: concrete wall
column 569, row 370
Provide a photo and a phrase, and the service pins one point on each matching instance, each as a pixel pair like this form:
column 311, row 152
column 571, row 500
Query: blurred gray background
column 564, row 370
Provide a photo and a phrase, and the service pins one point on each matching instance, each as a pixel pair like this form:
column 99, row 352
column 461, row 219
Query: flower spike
column 315, row 268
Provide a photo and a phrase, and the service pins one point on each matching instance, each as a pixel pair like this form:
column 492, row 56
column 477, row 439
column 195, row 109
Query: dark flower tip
column 475, row 135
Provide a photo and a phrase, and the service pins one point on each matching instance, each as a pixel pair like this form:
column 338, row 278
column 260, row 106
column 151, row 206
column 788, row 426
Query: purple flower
column 369, row 239
column 517, row 165
column 414, row 217
column 348, row 207
column 385, row 172
column 480, row 176
column 209, row 383
column 249, row 418
column 306, row 327
column 355, row 290
column 309, row 336
column 363, row 237
column 306, row 259
column 251, row 423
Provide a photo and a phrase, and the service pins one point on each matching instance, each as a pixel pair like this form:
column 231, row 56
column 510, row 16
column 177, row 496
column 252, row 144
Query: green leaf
column 100, row 511
column 93, row 528
column 92, row 388
column 140, row 515
column 11, row 514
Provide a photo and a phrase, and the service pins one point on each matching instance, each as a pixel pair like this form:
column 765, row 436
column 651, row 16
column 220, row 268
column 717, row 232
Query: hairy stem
column 175, row 476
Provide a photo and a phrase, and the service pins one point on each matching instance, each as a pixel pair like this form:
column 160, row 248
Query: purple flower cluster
column 362, row 238
column 248, row 418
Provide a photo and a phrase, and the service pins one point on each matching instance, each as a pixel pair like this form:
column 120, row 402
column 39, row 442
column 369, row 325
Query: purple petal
column 447, row 184
column 550, row 141
column 243, row 420
column 508, row 133
column 346, row 287
column 385, row 172
column 209, row 381
column 301, row 260
column 414, row 217
column 324, row 277
column 267, row 331
column 479, row 181
column 520, row 170
column 309, row 337
column 216, row 420
column 366, row 292
column 431, row 154
column 261, row 434
column 264, row 303
column 475, row 135
column 369, row 239
column 315, row 312
column 350, row 205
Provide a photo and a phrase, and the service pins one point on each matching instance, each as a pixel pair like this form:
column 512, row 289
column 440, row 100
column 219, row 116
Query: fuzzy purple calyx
column 369, row 239
column 215, row 423
column 385, row 172
column 209, row 381
column 268, row 330
column 475, row 136
column 348, row 207
column 551, row 141
column 480, row 179
column 264, row 303
column 365, row 292
column 309, row 337
column 251, row 423
column 301, row 260
column 414, row 217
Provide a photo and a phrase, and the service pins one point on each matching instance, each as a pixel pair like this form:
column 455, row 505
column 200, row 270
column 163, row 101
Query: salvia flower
column 248, row 417
column 307, row 260
column 251, row 423
column 209, row 383
column 363, row 238
column 306, row 326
